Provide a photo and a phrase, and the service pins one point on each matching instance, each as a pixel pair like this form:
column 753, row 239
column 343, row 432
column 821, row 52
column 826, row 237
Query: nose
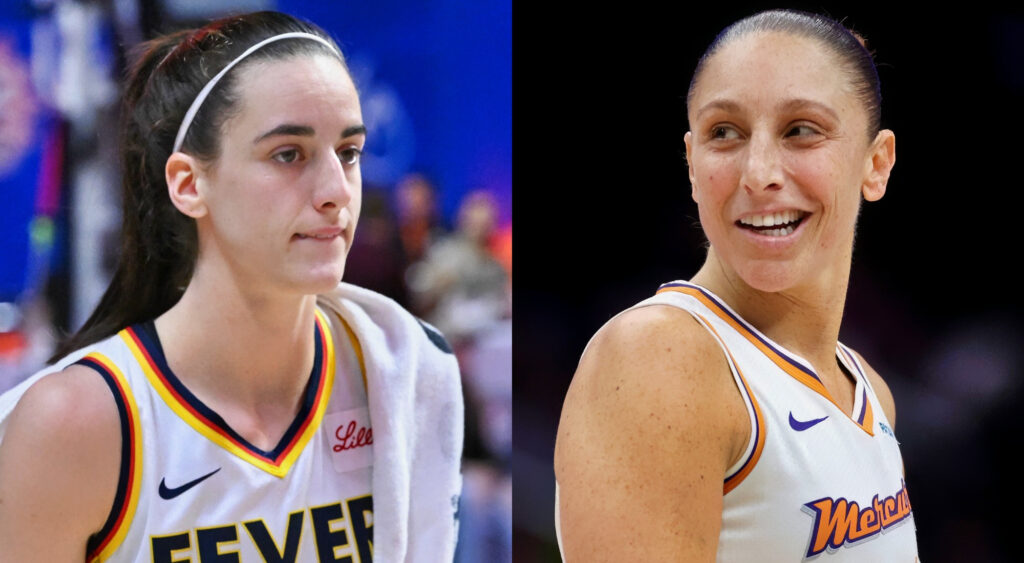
column 334, row 183
column 762, row 169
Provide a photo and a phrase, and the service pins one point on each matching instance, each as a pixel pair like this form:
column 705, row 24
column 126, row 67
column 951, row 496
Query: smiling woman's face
column 283, row 197
column 778, row 159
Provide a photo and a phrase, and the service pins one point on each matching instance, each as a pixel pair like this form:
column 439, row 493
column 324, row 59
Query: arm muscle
column 649, row 427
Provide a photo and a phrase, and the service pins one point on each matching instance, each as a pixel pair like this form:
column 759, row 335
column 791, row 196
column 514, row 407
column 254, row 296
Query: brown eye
column 801, row 131
column 288, row 156
column 723, row 132
column 349, row 156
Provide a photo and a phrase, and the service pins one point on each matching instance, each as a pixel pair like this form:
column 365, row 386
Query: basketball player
column 228, row 400
column 721, row 419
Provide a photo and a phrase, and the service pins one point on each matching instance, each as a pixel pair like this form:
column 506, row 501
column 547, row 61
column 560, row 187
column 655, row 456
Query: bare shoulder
column 881, row 389
column 642, row 354
column 59, row 464
column 650, row 424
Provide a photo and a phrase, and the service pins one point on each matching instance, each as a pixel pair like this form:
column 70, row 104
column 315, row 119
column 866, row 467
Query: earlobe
column 879, row 167
column 183, row 175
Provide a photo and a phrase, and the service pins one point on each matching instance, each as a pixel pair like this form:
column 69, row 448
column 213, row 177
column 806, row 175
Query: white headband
column 198, row 102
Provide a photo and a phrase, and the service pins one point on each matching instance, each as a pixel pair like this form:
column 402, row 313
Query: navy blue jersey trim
column 97, row 539
column 146, row 332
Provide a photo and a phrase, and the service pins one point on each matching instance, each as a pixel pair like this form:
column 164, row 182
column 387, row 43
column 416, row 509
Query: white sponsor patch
column 351, row 439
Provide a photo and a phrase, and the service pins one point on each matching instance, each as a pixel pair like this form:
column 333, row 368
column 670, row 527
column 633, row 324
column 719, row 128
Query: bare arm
column 59, row 465
column 650, row 425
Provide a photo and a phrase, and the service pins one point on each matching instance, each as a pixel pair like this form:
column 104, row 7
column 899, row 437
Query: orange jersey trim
column 799, row 372
column 759, row 430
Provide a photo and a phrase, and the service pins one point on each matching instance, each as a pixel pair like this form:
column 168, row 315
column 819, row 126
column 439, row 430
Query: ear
column 878, row 168
column 184, row 176
column 687, row 138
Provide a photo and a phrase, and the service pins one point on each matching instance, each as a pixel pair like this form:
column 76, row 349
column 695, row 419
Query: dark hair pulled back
column 159, row 244
column 848, row 47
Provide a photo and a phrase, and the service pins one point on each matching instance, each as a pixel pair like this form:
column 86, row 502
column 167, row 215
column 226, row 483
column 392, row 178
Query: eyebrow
column 353, row 131
column 306, row 131
column 789, row 105
column 801, row 103
column 725, row 105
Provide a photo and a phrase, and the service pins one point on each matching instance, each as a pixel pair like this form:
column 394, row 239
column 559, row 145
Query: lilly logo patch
column 351, row 439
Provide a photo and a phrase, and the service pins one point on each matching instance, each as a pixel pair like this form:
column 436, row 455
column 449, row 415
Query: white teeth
column 772, row 219
column 778, row 232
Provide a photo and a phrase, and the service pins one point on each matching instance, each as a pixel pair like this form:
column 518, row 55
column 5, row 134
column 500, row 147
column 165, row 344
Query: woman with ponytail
column 229, row 398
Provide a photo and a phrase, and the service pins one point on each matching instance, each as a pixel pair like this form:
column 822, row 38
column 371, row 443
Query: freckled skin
column 769, row 167
column 640, row 453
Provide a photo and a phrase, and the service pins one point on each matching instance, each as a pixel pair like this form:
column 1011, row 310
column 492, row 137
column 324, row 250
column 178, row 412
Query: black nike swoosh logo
column 169, row 493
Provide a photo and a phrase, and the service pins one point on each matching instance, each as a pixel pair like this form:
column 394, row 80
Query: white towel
column 416, row 412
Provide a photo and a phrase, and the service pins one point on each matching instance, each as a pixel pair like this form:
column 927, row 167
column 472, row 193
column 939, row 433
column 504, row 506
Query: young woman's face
column 283, row 198
column 778, row 158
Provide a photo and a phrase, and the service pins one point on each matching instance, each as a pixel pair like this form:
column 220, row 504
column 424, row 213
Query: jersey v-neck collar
column 144, row 343
column 797, row 367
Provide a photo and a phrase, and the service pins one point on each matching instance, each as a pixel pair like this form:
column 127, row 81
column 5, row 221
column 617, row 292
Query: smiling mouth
column 777, row 224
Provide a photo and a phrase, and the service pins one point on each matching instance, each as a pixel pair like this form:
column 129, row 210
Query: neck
column 249, row 348
column 804, row 319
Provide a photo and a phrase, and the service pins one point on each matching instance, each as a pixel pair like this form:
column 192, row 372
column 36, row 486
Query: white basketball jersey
column 814, row 482
column 192, row 489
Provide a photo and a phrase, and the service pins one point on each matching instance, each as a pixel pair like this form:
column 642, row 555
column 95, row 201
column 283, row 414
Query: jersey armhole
column 739, row 470
column 104, row 542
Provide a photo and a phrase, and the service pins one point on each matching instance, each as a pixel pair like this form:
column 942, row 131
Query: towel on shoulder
column 416, row 410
